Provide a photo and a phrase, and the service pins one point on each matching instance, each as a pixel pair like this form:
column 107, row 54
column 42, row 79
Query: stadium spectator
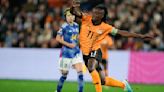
column 22, row 23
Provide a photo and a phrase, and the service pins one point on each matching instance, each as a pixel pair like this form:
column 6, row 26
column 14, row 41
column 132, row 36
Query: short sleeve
column 112, row 30
column 61, row 30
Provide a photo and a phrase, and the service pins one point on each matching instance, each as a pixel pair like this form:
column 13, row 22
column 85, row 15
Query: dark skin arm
column 130, row 34
column 75, row 9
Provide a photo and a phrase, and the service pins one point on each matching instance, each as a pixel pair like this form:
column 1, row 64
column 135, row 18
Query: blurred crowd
column 34, row 23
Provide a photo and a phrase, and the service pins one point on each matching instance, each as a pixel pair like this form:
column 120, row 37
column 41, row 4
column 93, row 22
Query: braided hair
column 102, row 7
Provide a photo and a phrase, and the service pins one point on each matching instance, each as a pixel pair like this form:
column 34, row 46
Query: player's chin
column 94, row 19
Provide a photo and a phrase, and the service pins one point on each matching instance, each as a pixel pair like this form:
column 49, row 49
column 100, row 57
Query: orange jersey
column 106, row 42
column 91, row 35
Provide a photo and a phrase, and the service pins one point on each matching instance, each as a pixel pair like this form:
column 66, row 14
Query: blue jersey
column 70, row 34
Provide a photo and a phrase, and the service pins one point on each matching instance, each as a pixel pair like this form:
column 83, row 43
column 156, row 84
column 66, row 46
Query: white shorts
column 66, row 63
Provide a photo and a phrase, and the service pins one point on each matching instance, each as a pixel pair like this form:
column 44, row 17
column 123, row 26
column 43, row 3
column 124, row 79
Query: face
column 97, row 14
column 70, row 18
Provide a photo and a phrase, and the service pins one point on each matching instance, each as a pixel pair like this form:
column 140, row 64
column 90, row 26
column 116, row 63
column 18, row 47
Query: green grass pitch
column 50, row 86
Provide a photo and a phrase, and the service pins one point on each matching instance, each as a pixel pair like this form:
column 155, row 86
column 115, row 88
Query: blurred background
column 34, row 23
column 29, row 50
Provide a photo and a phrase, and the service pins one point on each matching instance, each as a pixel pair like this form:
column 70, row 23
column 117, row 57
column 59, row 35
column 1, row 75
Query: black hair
column 102, row 7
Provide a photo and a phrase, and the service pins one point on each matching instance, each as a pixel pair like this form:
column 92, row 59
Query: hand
column 71, row 45
column 75, row 3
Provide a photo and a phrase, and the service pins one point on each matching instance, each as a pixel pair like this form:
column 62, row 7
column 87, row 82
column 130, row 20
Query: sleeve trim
column 114, row 31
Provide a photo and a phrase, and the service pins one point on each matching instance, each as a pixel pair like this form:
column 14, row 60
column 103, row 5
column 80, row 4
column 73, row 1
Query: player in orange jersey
column 93, row 30
column 105, row 44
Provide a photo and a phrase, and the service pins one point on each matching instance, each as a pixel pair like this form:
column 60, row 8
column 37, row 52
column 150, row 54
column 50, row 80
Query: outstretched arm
column 131, row 34
column 75, row 9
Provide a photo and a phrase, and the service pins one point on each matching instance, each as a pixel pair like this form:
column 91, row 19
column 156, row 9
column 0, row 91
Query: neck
column 71, row 23
column 96, row 22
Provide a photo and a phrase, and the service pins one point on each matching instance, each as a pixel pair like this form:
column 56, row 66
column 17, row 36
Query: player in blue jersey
column 68, row 36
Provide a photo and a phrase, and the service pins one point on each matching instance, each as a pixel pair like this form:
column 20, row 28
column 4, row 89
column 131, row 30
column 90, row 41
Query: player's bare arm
column 132, row 34
column 75, row 9
column 60, row 40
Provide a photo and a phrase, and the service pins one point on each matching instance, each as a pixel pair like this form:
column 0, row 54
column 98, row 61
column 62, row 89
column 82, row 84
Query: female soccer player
column 93, row 30
column 68, row 36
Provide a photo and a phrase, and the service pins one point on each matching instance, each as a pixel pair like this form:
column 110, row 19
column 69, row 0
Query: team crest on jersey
column 99, row 31
column 69, row 30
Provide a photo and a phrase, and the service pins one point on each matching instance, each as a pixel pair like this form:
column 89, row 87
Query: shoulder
column 76, row 24
column 106, row 25
column 64, row 25
column 86, row 16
